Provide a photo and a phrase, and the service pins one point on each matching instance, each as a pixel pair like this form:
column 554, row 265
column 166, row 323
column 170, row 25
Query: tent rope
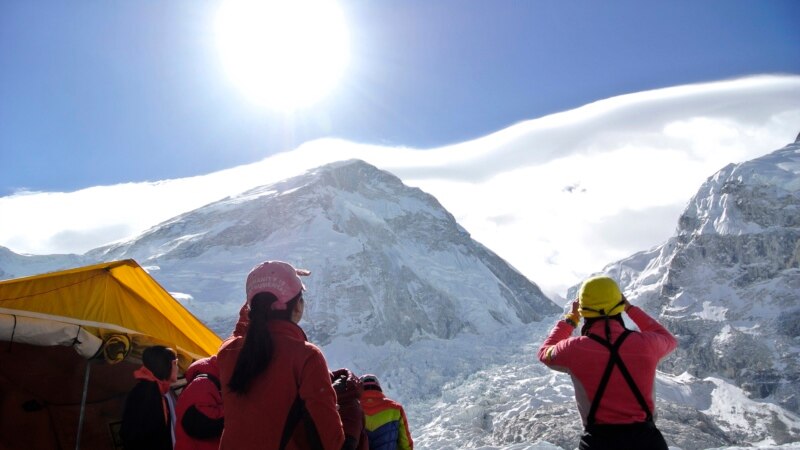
column 75, row 340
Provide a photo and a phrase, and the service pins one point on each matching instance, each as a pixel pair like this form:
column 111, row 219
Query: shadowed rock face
column 388, row 262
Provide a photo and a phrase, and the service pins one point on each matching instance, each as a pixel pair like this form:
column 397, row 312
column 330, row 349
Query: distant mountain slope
column 388, row 261
column 13, row 265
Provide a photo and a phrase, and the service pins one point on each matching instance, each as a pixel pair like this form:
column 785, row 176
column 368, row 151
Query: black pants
column 634, row 436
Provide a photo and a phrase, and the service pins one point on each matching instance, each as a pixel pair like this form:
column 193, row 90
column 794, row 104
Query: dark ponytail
column 257, row 349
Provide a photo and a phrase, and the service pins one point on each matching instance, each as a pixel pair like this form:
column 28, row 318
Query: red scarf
column 143, row 373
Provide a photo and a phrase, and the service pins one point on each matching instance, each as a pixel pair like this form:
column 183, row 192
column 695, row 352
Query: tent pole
column 83, row 402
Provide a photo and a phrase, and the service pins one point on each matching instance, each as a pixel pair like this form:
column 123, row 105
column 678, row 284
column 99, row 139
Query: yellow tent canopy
column 69, row 342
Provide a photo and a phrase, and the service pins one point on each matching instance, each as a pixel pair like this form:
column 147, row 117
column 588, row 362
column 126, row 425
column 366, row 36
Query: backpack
column 196, row 424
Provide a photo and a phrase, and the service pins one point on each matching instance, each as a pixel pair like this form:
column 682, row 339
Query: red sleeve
column 660, row 339
column 554, row 350
column 320, row 400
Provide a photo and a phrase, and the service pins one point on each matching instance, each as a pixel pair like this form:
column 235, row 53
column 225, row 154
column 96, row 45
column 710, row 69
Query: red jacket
column 585, row 360
column 256, row 419
column 348, row 390
column 203, row 400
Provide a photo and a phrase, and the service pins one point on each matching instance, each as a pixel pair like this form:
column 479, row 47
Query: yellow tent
column 69, row 342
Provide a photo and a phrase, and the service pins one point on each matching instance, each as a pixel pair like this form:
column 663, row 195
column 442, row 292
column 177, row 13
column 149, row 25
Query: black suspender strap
column 615, row 360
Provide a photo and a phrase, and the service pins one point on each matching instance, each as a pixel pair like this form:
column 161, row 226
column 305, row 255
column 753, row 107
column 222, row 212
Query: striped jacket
column 387, row 426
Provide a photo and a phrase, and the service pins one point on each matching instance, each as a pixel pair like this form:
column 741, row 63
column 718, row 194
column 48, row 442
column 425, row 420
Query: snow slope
column 385, row 255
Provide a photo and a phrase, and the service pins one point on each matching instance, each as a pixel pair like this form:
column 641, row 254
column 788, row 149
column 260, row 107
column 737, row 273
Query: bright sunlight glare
column 283, row 54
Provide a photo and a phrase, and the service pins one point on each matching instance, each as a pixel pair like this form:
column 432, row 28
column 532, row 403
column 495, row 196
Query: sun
column 283, row 54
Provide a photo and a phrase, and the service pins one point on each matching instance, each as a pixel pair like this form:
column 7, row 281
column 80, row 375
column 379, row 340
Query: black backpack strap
column 615, row 360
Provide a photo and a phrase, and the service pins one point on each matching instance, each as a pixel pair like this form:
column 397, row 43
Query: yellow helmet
column 600, row 296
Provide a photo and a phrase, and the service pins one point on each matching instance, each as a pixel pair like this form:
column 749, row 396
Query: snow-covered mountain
column 387, row 261
column 14, row 265
column 400, row 289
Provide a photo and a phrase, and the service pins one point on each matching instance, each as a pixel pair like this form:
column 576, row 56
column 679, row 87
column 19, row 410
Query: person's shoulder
column 392, row 403
column 312, row 350
column 144, row 389
column 203, row 382
column 145, row 385
column 139, row 387
column 233, row 342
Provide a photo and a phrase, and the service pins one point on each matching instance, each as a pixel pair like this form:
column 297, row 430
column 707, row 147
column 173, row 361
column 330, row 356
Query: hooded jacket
column 387, row 426
column 297, row 374
column 199, row 413
column 585, row 360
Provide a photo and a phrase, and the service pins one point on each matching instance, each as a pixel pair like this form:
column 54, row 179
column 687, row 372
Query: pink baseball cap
column 278, row 278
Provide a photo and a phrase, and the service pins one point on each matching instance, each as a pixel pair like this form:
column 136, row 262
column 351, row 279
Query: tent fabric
column 108, row 298
column 86, row 325
column 41, row 390
column 29, row 330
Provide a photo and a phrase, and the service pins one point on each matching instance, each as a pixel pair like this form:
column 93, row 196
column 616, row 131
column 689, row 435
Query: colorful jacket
column 297, row 376
column 585, row 360
column 387, row 426
column 199, row 412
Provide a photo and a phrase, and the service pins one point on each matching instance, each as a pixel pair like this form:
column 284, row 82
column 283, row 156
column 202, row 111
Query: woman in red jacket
column 613, row 369
column 275, row 384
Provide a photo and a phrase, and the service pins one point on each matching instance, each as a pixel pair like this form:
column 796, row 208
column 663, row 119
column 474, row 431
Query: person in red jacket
column 613, row 369
column 199, row 411
column 349, row 389
column 275, row 384
column 387, row 426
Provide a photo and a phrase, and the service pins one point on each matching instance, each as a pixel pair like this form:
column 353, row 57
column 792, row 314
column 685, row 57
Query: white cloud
column 633, row 162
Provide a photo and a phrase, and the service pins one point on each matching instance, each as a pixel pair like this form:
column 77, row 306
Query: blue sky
column 99, row 93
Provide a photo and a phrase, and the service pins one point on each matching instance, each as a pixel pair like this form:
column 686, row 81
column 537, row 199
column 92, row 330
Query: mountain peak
column 388, row 262
column 735, row 199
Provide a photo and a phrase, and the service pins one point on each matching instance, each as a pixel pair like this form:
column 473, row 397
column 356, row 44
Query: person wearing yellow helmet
column 613, row 382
